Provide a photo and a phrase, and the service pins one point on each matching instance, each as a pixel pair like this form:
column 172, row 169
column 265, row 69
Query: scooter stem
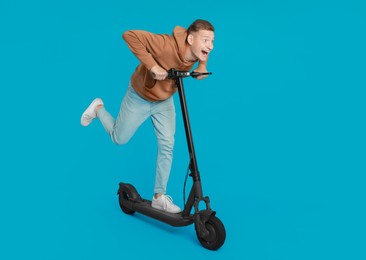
column 187, row 126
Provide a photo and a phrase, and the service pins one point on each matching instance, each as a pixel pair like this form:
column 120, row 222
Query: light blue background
column 279, row 130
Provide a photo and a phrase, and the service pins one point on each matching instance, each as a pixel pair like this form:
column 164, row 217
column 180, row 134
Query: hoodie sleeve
column 145, row 46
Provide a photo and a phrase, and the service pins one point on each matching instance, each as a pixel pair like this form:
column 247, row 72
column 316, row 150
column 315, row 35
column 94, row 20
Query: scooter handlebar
column 172, row 74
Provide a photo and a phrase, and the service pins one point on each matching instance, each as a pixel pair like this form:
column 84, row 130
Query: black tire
column 124, row 196
column 217, row 234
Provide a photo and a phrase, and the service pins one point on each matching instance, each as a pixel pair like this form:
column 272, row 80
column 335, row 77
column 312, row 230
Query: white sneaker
column 165, row 203
column 89, row 114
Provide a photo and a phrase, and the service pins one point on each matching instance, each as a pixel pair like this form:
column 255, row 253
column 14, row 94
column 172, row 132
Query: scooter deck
column 144, row 207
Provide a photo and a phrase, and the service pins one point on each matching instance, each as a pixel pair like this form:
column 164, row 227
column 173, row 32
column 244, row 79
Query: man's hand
column 158, row 72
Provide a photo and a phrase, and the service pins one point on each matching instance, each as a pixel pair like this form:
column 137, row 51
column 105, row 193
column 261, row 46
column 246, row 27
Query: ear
column 190, row 39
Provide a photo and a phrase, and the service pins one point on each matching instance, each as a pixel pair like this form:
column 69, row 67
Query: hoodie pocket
column 149, row 80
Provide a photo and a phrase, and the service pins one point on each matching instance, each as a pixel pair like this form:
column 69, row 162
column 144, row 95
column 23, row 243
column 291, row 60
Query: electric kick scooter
column 209, row 229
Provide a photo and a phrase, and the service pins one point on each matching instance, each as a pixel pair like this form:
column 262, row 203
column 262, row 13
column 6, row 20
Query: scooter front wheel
column 217, row 234
column 124, row 196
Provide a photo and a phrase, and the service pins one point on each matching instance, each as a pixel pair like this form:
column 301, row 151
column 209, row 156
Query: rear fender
column 130, row 190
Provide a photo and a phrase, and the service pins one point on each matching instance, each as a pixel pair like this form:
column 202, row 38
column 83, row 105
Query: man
column 150, row 93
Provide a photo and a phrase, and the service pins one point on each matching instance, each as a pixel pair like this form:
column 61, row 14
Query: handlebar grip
column 197, row 74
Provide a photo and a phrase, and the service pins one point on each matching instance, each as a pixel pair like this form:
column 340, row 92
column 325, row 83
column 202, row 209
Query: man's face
column 201, row 43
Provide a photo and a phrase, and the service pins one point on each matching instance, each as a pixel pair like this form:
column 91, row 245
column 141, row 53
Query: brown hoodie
column 151, row 49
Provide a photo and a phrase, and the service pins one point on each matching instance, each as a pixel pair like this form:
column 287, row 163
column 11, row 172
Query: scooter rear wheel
column 217, row 234
column 124, row 196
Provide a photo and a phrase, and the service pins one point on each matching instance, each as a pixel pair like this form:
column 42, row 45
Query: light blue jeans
column 133, row 112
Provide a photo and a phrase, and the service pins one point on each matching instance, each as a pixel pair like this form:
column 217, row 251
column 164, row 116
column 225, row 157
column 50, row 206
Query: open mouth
column 205, row 53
